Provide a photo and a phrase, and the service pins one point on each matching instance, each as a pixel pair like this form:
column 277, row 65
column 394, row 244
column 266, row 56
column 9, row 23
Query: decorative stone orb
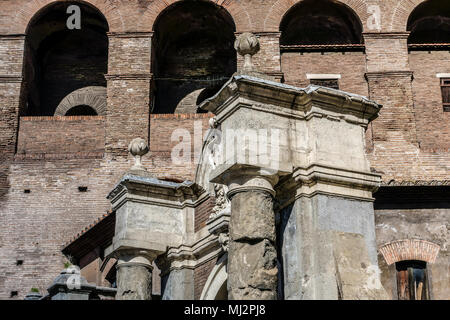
column 246, row 44
column 138, row 147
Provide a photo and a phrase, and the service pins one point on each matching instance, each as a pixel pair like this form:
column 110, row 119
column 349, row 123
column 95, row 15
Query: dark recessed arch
column 429, row 23
column 320, row 22
column 59, row 61
column 193, row 49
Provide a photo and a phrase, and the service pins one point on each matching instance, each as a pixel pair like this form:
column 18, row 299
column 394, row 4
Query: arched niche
column 216, row 285
column 320, row 22
column 429, row 23
column 59, row 60
column 193, row 50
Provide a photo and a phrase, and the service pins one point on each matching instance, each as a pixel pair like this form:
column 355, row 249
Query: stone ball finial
column 138, row 147
column 247, row 45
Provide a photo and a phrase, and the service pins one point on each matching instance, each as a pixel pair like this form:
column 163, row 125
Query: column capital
column 135, row 257
column 243, row 178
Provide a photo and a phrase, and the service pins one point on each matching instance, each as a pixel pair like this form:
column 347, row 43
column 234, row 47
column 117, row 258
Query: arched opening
column 82, row 110
column 216, row 285
column 320, row 22
column 59, row 60
column 193, row 50
column 429, row 23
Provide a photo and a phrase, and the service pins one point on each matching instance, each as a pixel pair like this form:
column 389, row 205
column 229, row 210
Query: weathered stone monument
column 301, row 150
column 283, row 151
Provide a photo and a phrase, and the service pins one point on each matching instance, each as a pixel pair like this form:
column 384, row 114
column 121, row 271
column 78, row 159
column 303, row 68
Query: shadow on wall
column 190, row 55
column 58, row 60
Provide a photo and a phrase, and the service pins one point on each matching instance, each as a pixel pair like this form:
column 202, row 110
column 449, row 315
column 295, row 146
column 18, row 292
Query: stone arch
column 409, row 249
column 401, row 13
column 94, row 97
column 239, row 14
column 32, row 9
column 216, row 279
column 278, row 10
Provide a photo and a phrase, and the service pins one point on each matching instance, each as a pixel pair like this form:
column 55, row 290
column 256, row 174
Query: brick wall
column 201, row 274
column 350, row 65
column 202, row 213
column 408, row 141
column 432, row 123
column 56, row 135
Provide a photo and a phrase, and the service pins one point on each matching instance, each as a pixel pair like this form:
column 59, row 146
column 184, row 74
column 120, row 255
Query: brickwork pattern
column 409, row 140
column 201, row 274
column 409, row 249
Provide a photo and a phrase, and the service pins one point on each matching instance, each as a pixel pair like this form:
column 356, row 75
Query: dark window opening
column 27, row 191
column 320, row 22
column 445, row 89
column 190, row 54
column 412, row 280
column 330, row 83
column 429, row 23
column 59, row 61
column 82, row 189
column 13, row 294
column 82, row 110
column 19, row 262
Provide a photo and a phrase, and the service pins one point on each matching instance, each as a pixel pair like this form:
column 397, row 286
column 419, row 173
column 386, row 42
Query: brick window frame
column 445, row 91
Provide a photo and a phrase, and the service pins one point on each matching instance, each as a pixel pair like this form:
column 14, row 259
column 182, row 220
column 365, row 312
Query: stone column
column 134, row 274
column 252, row 255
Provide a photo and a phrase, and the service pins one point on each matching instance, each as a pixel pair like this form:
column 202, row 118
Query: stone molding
column 417, row 183
column 388, row 74
column 386, row 35
column 129, row 76
column 409, row 249
column 350, row 107
column 10, row 79
column 130, row 34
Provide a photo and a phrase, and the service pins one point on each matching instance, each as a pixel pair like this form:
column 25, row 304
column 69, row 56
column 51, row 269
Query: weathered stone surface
column 252, row 216
column 357, row 277
column 134, row 282
column 252, row 270
column 178, row 285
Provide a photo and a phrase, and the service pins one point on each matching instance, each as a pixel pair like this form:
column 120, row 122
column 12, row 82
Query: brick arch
column 29, row 10
column 401, row 13
column 94, row 97
column 276, row 13
column 409, row 249
column 239, row 14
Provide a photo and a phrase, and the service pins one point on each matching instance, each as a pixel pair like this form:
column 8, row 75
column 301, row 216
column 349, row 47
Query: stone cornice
column 386, row 35
column 388, row 74
column 416, row 183
column 129, row 76
column 130, row 34
column 10, row 79
column 188, row 256
column 12, row 37
column 350, row 107
column 158, row 192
